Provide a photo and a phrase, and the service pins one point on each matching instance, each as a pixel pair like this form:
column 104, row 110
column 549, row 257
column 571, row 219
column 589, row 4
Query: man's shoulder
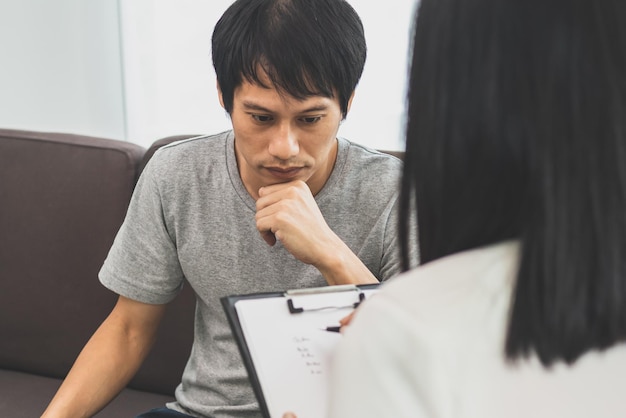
column 203, row 150
column 364, row 162
column 189, row 145
column 361, row 155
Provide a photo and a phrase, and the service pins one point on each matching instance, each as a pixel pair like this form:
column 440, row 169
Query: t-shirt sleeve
column 142, row 263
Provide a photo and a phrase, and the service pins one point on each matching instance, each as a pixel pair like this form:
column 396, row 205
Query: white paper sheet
column 292, row 352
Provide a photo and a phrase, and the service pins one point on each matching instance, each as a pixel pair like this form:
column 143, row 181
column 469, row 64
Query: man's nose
column 284, row 142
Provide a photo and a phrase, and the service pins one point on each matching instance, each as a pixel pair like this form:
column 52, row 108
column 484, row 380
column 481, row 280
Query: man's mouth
column 286, row 173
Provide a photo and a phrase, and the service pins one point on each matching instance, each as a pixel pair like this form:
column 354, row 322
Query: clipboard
column 285, row 346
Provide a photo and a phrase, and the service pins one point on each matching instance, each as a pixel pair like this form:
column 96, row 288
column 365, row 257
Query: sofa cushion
column 26, row 396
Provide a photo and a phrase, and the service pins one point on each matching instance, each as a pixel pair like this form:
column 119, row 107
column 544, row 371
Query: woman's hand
column 345, row 321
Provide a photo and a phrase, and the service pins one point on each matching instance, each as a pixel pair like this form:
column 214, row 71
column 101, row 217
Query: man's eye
column 311, row 119
column 262, row 118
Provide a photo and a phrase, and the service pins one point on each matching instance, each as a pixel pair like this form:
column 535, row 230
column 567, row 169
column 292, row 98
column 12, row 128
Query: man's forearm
column 103, row 368
column 342, row 266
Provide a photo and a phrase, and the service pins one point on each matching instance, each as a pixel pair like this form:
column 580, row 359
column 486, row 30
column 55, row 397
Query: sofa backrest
column 62, row 200
column 63, row 197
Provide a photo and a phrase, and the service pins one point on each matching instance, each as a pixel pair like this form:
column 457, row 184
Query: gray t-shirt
column 191, row 218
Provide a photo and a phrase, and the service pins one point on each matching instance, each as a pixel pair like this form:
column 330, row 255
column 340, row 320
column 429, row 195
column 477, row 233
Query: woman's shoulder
column 458, row 287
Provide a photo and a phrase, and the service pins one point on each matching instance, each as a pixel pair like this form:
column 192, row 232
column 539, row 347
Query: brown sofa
column 62, row 200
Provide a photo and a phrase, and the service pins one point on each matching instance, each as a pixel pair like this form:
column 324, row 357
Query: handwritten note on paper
column 307, row 353
column 292, row 352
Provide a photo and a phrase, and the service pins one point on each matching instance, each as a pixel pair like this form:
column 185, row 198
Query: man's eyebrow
column 248, row 105
column 253, row 106
column 318, row 108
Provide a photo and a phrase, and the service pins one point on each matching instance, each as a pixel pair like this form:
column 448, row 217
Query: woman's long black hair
column 516, row 128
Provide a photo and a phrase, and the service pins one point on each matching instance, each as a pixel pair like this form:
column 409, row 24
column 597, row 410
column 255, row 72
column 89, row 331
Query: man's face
column 280, row 139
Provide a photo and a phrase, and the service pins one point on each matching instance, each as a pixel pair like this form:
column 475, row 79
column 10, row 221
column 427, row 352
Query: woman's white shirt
column 430, row 343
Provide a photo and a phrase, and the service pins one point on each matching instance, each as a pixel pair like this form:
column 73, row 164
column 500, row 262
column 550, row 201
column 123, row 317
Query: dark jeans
column 162, row 413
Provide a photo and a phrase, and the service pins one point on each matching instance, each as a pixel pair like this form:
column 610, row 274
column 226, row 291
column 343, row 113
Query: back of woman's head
column 516, row 129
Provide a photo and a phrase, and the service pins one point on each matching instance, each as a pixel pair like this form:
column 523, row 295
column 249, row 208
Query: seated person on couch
column 279, row 202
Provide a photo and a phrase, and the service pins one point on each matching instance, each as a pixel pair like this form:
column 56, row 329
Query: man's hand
column 288, row 212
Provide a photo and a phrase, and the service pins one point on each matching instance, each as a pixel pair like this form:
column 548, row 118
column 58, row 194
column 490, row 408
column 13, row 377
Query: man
column 277, row 203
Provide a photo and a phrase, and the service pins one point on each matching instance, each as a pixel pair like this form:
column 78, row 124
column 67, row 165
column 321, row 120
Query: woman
column 516, row 165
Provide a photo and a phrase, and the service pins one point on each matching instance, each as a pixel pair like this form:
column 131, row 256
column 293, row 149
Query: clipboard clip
column 290, row 294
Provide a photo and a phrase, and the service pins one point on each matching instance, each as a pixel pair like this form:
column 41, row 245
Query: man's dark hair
column 517, row 129
column 306, row 48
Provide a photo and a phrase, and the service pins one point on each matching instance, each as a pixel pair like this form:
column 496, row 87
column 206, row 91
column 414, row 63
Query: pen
column 332, row 329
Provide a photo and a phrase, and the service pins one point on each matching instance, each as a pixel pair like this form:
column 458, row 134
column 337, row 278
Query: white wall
column 170, row 83
column 65, row 67
column 60, row 67
column 377, row 113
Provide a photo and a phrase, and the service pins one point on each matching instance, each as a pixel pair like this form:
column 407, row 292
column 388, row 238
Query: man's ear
column 219, row 94
column 349, row 105
column 350, row 101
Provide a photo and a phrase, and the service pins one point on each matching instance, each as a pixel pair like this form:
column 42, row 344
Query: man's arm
column 289, row 213
column 108, row 361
